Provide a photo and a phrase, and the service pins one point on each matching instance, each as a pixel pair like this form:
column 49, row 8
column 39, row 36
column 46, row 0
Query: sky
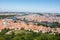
column 50, row 6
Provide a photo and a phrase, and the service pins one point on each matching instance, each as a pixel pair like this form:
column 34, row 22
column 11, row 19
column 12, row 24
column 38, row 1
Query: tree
column 1, row 38
column 4, row 31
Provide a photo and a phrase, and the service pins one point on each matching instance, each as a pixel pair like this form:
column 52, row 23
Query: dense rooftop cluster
column 35, row 22
column 19, row 24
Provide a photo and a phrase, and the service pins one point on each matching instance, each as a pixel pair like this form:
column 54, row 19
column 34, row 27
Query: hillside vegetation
column 27, row 35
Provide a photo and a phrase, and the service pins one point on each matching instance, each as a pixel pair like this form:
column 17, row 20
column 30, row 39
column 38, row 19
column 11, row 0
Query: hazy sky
column 52, row 6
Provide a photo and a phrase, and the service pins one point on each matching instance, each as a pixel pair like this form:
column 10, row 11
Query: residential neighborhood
column 30, row 22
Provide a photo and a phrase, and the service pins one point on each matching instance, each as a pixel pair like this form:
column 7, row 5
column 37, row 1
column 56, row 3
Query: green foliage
column 5, row 16
column 28, row 35
column 47, row 24
column 1, row 38
column 4, row 31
